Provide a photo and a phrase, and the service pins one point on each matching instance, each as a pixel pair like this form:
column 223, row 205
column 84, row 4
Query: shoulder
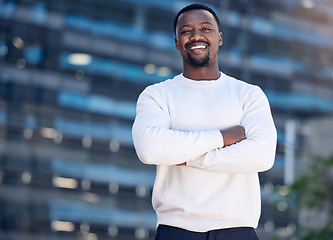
column 246, row 91
column 239, row 83
column 160, row 88
column 244, row 87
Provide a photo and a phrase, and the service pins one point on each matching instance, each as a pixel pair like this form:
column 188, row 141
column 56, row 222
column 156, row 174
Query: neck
column 210, row 72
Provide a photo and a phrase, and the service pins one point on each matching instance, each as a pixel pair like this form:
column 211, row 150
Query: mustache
column 188, row 44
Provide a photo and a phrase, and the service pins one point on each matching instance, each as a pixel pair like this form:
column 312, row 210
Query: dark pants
column 173, row 233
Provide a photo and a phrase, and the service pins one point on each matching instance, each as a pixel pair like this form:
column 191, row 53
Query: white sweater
column 178, row 121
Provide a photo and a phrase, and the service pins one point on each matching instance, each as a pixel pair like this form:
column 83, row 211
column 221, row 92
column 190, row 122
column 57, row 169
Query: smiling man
column 198, row 38
column 209, row 135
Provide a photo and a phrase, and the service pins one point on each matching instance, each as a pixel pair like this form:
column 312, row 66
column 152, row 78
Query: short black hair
column 196, row 6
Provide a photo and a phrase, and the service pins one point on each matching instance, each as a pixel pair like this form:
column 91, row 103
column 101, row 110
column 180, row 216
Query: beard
column 198, row 62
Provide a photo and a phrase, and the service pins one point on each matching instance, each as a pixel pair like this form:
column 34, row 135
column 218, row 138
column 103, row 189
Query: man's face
column 198, row 38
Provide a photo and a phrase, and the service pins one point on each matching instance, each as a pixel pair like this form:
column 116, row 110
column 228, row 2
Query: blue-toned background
column 70, row 75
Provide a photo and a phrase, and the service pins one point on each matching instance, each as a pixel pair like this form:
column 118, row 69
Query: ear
column 220, row 39
column 176, row 43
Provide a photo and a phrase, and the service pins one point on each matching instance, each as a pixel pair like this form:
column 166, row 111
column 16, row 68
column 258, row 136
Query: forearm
column 161, row 146
column 247, row 156
column 230, row 136
column 233, row 135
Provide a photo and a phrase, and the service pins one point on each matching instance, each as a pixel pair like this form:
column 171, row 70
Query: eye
column 185, row 31
column 206, row 29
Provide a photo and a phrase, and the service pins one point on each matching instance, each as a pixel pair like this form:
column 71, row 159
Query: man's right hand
column 233, row 135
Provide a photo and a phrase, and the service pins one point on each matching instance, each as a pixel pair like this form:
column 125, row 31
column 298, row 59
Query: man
column 209, row 135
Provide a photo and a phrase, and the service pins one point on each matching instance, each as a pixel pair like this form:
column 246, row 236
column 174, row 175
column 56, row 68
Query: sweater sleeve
column 256, row 153
column 156, row 143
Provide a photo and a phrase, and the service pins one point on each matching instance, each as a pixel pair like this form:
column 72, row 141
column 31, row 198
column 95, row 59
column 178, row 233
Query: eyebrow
column 203, row 23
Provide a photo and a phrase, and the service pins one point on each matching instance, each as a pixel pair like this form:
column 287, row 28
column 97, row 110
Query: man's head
column 196, row 7
column 198, row 36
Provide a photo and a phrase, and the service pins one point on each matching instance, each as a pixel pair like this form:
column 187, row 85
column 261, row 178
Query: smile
column 198, row 47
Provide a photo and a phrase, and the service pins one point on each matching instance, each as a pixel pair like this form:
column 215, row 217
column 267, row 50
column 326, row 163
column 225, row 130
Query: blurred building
column 318, row 140
column 70, row 74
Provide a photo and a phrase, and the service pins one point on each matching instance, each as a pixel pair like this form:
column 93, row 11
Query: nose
column 196, row 34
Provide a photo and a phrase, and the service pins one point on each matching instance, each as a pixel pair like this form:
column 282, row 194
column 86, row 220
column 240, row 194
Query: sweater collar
column 180, row 78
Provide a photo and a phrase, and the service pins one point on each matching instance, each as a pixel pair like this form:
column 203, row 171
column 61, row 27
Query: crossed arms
column 230, row 136
column 245, row 148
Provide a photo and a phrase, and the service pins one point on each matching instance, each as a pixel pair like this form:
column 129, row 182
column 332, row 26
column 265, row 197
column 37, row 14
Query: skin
column 198, row 29
column 233, row 135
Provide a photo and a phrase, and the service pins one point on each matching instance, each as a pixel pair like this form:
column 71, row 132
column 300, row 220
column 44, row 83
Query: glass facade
column 70, row 74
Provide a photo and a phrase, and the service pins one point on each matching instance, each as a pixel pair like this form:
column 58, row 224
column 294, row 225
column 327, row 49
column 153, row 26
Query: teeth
column 198, row 47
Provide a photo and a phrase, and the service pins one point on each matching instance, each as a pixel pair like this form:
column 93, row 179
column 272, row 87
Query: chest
column 203, row 109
